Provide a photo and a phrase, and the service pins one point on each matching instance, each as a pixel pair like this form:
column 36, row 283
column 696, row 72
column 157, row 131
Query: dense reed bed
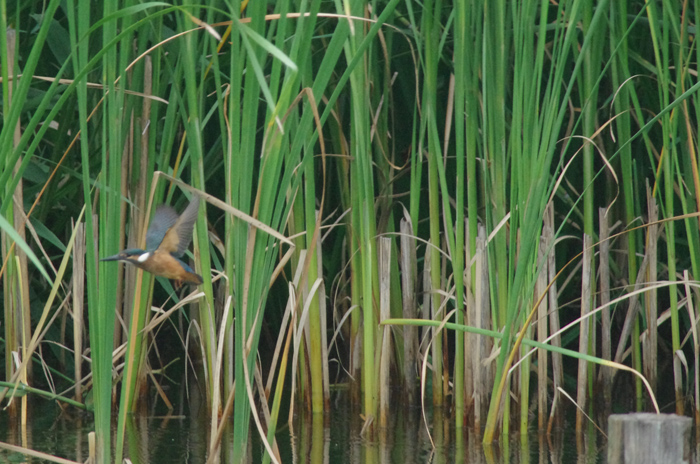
column 489, row 206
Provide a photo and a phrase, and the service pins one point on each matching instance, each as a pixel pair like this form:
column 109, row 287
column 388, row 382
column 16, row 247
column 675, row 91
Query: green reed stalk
column 688, row 166
column 660, row 29
column 473, row 150
column 462, row 85
column 620, row 73
column 431, row 36
column 300, row 53
column 454, row 231
column 110, row 203
column 240, row 153
column 362, row 185
column 123, row 144
column 222, row 95
column 496, row 48
column 678, row 44
column 589, row 97
column 467, row 35
column 312, row 241
column 416, row 158
column 521, row 141
column 193, row 46
column 590, row 78
column 384, row 150
column 101, row 319
column 619, row 45
column 138, row 287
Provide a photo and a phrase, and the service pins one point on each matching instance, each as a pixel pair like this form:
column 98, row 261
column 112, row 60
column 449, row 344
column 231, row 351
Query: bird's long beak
column 116, row 257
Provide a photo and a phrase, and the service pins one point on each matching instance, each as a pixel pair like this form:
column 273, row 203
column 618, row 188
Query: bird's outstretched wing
column 164, row 218
column 178, row 237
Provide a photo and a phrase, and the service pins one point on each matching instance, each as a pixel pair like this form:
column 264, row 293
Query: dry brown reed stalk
column 425, row 307
column 631, row 311
column 650, row 342
column 605, row 374
column 679, row 364
column 584, row 331
column 554, row 324
column 16, row 295
column 435, row 336
column 78, row 295
column 542, row 333
column 384, row 314
column 408, row 284
column 580, row 410
column 19, row 218
column 92, row 448
column 469, row 316
column 163, row 396
column 35, row 454
column 96, row 85
column 483, row 369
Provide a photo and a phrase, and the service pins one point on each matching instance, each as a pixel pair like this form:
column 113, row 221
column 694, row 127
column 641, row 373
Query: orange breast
column 163, row 264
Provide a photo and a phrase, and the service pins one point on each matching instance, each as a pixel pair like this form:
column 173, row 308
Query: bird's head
column 132, row 255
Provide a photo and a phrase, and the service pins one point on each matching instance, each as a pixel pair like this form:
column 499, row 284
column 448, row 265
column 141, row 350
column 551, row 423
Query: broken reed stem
column 555, row 415
column 650, row 342
column 78, row 295
column 469, row 340
column 384, row 314
column 483, row 373
column 605, row 376
column 542, row 333
column 586, row 298
column 410, row 333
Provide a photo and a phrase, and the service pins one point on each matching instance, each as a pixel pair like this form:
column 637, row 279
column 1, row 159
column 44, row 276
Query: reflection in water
column 183, row 438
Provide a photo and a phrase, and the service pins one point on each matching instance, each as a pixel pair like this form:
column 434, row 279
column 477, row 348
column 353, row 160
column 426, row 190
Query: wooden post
column 645, row 438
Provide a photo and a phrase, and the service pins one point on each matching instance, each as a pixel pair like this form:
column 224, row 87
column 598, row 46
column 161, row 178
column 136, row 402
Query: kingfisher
column 167, row 239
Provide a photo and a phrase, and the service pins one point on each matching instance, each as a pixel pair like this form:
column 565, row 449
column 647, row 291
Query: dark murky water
column 184, row 439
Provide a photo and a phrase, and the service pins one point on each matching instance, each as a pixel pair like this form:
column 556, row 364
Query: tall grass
column 308, row 130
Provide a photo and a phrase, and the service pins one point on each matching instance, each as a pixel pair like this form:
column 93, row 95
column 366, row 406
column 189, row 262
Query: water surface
column 182, row 437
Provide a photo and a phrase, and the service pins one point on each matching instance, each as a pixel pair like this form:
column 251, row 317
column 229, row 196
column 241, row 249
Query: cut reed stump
column 645, row 438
